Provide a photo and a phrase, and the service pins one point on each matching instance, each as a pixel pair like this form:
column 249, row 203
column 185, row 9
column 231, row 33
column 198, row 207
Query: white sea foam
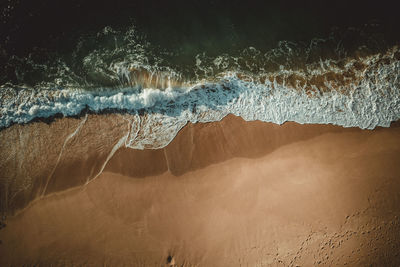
column 373, row 101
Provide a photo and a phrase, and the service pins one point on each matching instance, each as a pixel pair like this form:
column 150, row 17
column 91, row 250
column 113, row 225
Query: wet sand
column 229, row 193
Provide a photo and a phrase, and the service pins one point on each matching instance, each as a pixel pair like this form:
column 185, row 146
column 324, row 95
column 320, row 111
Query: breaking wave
column 305, row 83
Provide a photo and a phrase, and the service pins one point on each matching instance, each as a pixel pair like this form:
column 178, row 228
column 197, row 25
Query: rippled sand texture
column 226, row 193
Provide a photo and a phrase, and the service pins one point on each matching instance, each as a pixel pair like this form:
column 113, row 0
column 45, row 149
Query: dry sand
column 229, row 193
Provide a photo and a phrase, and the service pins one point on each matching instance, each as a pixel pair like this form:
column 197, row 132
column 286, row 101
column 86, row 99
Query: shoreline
column 117, row 125
column 223, row 193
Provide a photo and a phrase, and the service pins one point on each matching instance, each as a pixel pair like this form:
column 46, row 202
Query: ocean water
column 170, row 64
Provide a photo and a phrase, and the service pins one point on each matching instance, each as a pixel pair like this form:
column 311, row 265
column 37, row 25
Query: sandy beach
column 228, row 193
column 199, row 133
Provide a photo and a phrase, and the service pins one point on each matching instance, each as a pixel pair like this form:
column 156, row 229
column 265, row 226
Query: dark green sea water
column 74, row 43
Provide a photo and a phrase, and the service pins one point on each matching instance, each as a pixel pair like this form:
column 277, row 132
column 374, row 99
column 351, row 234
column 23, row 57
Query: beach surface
column 227, row 193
